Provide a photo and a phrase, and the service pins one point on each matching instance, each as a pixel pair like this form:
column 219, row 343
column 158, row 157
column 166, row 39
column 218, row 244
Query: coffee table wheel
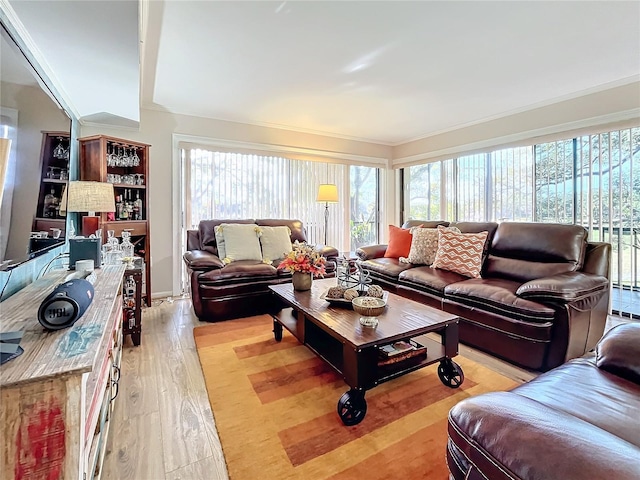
column 450, row 373
column 352, row 407
column 277, row 331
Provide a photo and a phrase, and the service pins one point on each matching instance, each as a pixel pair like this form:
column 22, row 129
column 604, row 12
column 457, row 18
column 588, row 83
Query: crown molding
column 158, row 108
column 529, row 135
column 282, row 149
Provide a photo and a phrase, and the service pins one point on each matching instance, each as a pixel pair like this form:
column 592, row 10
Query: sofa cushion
column 431, row 280
column 399, row 242
column 618, row 352
column 275, row 242
column 581, row 390
column 460, row 252
column 503, row 435
column 498, row 295
column 386, row 267
column 526, row 251
column 241, row 242
column 249, row 270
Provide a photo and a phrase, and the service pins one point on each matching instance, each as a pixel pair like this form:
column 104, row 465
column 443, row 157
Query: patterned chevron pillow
column 460, row 252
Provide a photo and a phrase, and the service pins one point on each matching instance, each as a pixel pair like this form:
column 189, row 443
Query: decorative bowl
column 369, row 308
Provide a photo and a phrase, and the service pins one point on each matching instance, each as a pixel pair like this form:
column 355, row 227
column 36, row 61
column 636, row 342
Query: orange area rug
column 275, row 409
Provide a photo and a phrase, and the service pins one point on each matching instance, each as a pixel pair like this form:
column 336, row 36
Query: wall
column 157, row 128
column 619, row 105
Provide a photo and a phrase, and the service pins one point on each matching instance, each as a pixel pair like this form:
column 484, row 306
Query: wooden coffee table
column 333, row 332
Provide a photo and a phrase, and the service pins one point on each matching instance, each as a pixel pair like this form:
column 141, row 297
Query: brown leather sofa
column 239, row 289
column 543, row 297
column 578, row 421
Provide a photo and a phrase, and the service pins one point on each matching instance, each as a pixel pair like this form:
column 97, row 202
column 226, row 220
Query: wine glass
column 136, row 158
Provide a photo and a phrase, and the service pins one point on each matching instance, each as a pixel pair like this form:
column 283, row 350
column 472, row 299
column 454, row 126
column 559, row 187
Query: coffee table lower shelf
column 361, row 368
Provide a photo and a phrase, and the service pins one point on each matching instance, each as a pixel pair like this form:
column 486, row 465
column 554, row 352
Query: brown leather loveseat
column 222, row 291
column 578, row 421
column 543, row 295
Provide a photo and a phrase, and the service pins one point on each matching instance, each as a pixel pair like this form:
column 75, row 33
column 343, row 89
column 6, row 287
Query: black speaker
column 85, row 249
column 66, row 304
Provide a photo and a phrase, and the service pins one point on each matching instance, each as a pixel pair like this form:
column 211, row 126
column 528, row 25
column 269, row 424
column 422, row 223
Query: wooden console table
column 56, row 398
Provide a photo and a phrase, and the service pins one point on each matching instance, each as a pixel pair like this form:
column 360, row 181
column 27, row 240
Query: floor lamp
column 327, row 193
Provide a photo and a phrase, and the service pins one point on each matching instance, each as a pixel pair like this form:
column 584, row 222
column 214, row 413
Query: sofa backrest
column 206, row 230
column 526, row 251
column 207, row 235
column 425, row 223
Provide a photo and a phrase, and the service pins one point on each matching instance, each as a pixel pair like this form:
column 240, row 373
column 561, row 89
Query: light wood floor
column 162, row 426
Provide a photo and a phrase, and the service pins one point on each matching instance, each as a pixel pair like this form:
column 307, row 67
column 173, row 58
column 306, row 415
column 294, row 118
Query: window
column 592, row 180
column 554, row 174
column 364, row 206
column 423, row 190
column 470, row 195
column 233, row 186
column 511, row 185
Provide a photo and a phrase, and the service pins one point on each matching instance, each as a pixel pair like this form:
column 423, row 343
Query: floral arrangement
column 304, row 258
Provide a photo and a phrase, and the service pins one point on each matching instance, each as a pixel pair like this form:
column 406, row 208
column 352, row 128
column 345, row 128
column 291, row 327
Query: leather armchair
column 577, row 421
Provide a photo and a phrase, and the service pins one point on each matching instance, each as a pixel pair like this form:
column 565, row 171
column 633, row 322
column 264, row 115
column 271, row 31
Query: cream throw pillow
column 241, row 242
column 276, row 243
column 222, row 251
column 424, row 245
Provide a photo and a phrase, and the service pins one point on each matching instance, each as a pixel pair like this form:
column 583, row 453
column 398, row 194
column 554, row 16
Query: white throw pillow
column 276, row 242
column 222, row 251
column 241, row 242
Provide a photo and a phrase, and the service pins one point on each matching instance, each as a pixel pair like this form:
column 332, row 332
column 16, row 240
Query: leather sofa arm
column 371, row 251
column 201, row 260
column 327, row 251
column 570, row 287
column 618, row 352
column 506, row 436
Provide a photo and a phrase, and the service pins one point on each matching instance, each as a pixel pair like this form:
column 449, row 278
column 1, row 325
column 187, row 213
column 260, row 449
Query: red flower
column 304, row 258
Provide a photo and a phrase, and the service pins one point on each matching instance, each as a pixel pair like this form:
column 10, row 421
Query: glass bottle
column 124, row 213
column 50, row 204
column 137, row 207
column 126, row 246
column 129, row 205
column 118, row 207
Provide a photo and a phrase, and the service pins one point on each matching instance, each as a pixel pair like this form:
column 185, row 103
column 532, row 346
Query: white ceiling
column 91, row 48
column 383, row 71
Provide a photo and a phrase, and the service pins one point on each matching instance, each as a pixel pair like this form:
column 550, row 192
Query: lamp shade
column 85, row 196
column 327, row 192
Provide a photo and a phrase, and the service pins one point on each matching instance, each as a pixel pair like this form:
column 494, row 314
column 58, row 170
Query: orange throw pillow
column 399, row 242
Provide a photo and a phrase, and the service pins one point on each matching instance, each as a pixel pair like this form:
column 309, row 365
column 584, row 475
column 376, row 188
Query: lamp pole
column 326, row 221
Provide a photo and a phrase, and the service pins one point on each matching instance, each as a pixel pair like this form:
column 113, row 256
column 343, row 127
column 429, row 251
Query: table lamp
column 90, row 197
column 327, row 193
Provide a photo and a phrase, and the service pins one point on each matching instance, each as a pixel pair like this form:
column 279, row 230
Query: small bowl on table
column 369, row 308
